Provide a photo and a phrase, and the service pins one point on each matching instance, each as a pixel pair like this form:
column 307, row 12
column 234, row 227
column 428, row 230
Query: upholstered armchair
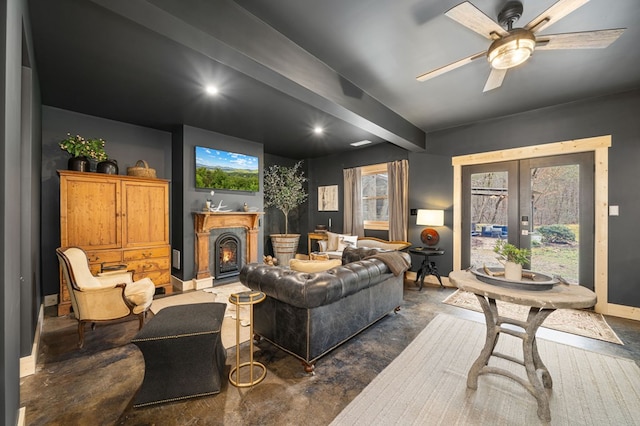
column 105, row 297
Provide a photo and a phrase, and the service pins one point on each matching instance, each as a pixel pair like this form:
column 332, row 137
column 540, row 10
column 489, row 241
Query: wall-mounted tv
column 217, row 169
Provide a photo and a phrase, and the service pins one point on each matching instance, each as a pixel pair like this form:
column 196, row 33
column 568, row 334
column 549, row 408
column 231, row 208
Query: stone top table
column 541, row 305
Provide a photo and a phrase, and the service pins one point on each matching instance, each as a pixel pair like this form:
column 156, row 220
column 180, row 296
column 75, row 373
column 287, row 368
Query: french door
column 545, row 204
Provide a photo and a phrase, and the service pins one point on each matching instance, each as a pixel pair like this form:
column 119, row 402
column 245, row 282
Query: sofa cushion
column 353, row 254
column 313, row 265
column 318, row 256
column 332, row 241
column 312, row 289
column 347, row 241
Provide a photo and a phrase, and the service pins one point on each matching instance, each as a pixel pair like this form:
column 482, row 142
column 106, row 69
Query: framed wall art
column 328, row 198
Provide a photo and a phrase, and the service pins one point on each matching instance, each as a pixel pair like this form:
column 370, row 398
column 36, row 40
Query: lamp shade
column 430, row 217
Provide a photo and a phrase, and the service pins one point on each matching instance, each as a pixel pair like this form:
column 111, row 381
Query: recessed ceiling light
column 211, row 90
column 318, row 130
column 364, row 142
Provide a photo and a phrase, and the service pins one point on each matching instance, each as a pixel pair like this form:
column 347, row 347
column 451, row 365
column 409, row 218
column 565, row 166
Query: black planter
column 79, row 164
column 109, row 167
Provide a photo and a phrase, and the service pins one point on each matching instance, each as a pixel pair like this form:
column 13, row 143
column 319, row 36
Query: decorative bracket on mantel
column 204, row 222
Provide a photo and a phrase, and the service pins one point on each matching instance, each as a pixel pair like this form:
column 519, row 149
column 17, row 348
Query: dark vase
column 109, row 167
column 79, row 164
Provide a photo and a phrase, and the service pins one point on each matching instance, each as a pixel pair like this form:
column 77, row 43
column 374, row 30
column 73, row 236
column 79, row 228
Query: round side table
column 248, row 298
column 428, row 266
column 541, row 304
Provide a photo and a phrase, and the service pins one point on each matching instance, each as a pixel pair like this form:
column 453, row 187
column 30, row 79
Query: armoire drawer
column 148, row 265
column 146, row 253
column 104, row 256
column 159, row 277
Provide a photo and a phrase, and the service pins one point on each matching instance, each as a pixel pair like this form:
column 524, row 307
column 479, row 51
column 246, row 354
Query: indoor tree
column 284, row 189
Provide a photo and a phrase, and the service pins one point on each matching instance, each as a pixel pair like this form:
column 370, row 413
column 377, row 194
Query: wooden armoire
column 117, row 220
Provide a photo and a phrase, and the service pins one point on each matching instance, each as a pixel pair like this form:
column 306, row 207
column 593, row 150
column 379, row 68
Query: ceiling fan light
column 512, row 50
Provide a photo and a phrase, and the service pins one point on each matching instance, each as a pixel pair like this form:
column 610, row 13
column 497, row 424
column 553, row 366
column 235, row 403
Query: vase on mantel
column 79, row 164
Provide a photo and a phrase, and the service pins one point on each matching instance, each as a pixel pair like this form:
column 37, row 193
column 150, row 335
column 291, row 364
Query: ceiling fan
column 510, row 46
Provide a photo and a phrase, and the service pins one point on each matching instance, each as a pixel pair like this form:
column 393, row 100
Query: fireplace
column 208, row 224
column 227, row 255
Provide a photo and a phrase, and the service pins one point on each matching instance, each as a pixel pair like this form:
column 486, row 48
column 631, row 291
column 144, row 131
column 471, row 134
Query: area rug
column 218, row 294
column 580, row 322
column 426, row 384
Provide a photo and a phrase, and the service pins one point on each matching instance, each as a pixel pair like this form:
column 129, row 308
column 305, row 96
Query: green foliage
column 240, row 180
column 78, row 146
column 284, row 189
column 558, row 234
column 511, row 253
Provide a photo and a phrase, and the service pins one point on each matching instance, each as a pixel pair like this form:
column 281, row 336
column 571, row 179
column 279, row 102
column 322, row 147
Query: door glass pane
column 555, row 208
column 489, row 216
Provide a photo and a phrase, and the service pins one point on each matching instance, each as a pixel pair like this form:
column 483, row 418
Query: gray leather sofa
column 309, row 314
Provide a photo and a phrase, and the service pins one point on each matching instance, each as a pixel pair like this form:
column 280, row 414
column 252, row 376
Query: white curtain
column 353, row 223
column 398, row 174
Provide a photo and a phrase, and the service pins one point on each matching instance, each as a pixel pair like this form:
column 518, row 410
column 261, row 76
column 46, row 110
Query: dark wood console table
column 204, row 222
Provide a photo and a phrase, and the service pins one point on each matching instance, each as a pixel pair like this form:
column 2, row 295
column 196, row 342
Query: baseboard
column 28, row 363
column 193, row 284
column 180, row 285
column 429, row 279
column 622, row 311
column 21, row 416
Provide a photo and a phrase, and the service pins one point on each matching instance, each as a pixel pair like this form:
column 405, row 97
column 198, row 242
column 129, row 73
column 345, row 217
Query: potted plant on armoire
column 284, row 189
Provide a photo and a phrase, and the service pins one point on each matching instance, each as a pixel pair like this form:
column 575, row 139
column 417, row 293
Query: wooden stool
column 246, row 298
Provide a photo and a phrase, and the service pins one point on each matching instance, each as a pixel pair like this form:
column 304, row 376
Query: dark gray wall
column 328, row 171
column 187, row 199
column 431, row 187
column 616, row 115
column 19, row 195
column 125, row 143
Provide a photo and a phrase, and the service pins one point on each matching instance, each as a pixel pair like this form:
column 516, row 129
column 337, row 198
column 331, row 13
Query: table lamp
column 430, row 236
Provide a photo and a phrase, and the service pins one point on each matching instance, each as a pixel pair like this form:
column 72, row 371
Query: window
column 375, row 200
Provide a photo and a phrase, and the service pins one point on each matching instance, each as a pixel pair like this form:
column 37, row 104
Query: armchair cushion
column 84, row 279
column 140, row 293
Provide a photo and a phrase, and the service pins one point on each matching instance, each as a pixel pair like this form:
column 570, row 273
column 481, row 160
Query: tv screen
column 216, row 169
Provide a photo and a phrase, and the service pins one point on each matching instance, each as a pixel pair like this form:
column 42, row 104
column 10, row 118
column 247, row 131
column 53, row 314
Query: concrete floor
column 96, row 385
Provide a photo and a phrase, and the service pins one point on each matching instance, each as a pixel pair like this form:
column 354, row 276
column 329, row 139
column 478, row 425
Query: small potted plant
column 513, row 259
column 82, row 150
column 284, row 189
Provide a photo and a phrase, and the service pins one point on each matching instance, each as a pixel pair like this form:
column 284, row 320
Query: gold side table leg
column 250, row 299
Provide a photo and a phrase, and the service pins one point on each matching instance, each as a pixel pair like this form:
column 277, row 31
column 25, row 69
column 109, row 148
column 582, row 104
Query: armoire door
column 90, row 214
column 145, row 213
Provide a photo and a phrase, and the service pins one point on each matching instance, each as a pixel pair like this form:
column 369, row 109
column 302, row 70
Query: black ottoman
column 183, row 353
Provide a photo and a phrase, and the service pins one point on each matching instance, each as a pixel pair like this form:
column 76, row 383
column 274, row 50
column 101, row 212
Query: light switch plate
column 614, row 211
column 175, row 259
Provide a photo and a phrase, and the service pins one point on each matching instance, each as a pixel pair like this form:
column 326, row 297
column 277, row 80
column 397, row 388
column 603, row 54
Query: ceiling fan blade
column 495, row 79
column 452, row 66
column 473, row 18
column 553, row 14
column 582, row 40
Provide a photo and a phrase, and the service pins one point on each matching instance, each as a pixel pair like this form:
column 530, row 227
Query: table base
column 532, row 362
